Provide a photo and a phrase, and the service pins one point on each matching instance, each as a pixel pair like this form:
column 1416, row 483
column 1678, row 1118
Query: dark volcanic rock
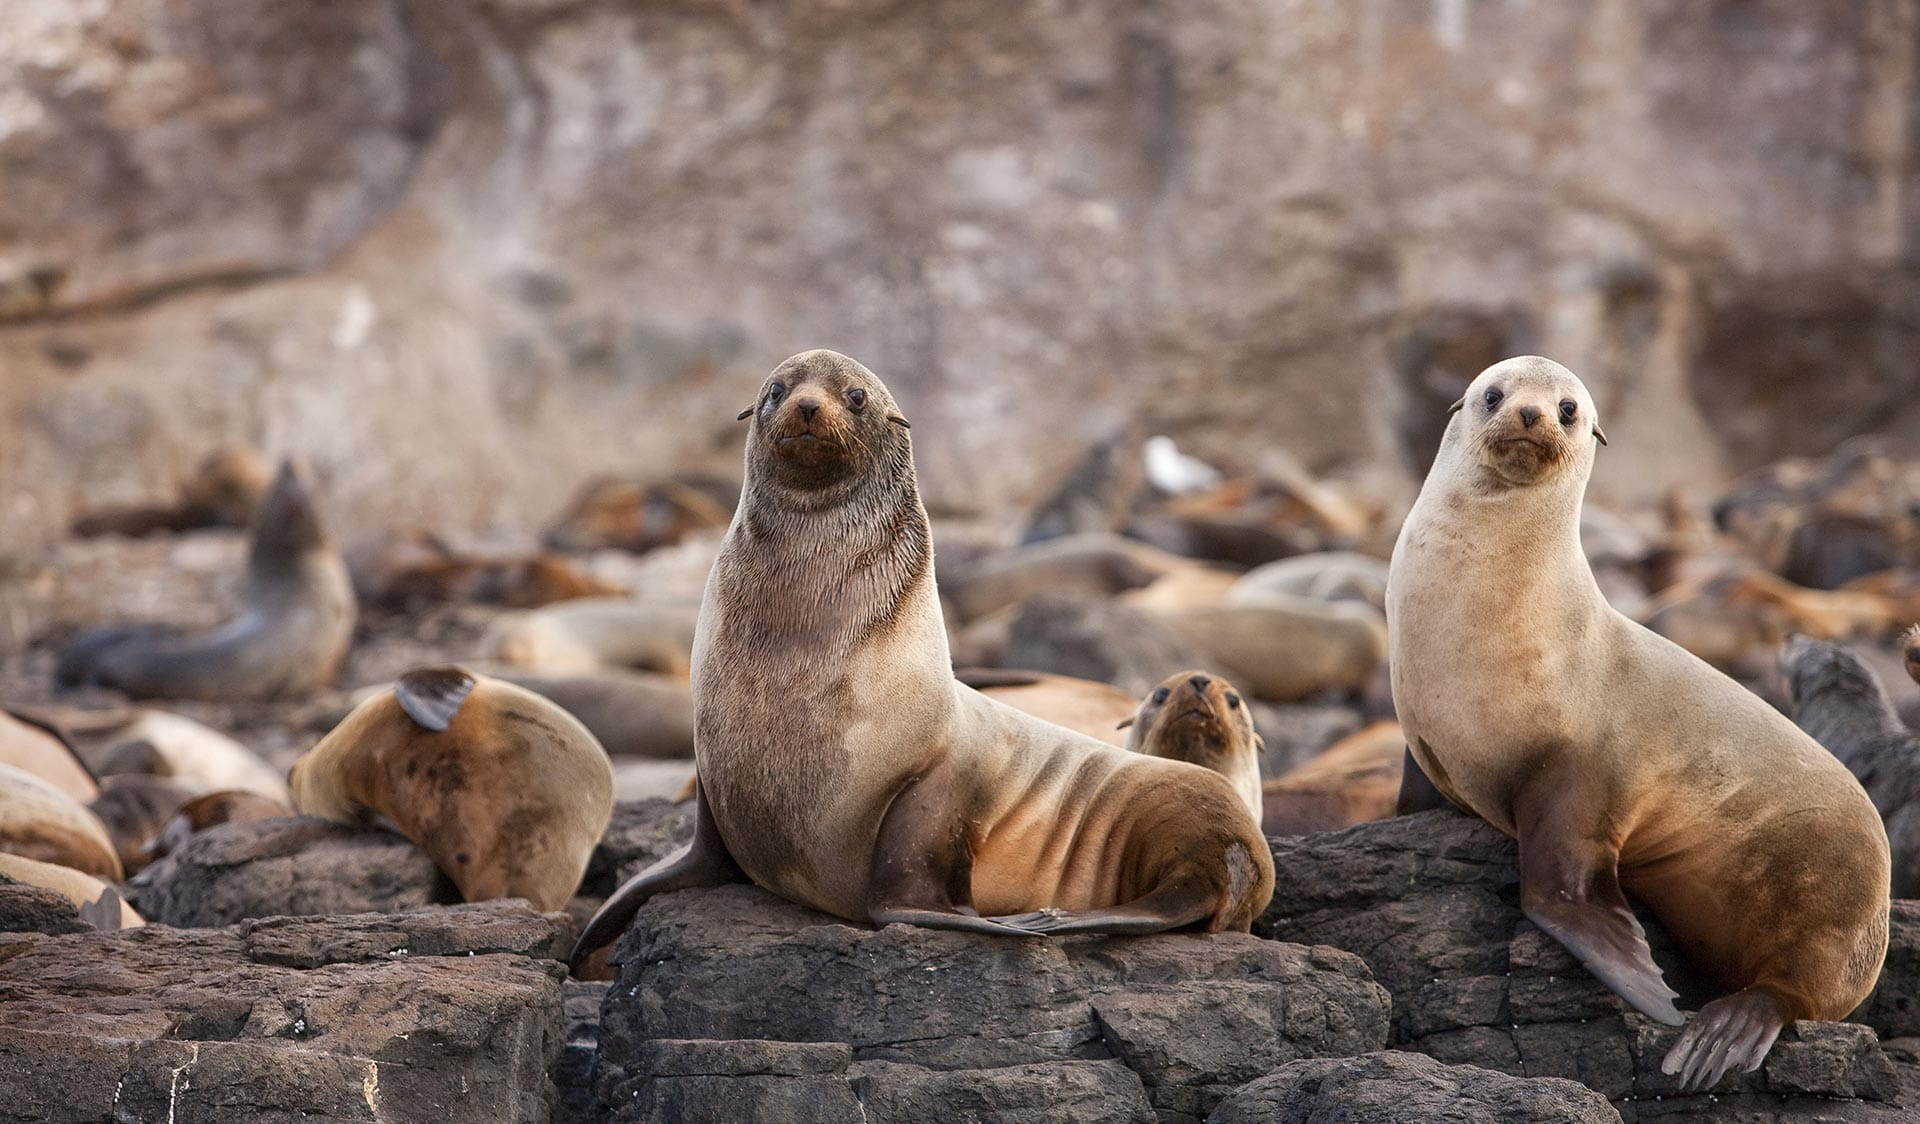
column 1430, row 902
column 301, row 865
column 1894, row 1007
column 640, row 833
column 1033, row 1025
column 1391, row 1087
column 36, row 909
column 376, row 1018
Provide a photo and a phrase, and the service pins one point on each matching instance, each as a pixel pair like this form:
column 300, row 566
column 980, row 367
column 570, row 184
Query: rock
column 371, row 1018
column 36, row 909
column 300, row 865
column 1429, row 902
column 1390, row 1087
column 1894, row 1007
column 640, row 833
column 959, row 1020
column 1096, row 639
column 573, row 1073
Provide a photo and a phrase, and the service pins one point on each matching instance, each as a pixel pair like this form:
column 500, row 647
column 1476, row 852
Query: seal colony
column 841, row 764
column 1616, row 758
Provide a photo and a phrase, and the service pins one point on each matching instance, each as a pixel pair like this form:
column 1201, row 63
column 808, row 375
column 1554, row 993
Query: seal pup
column 506, row 791
column 1842, row 704
column 1199, row 718
column 40, row 748
column 290, row 640
column 99, row 904
column 1616, row 758
column 1098, row 710
column 843, row 767
column 38, row 821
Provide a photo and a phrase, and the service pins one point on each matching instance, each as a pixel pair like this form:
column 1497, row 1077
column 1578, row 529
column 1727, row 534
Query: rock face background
column 575, row 234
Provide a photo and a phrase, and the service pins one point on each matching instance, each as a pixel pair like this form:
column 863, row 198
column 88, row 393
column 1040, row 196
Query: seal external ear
column 1570, row 887
column 1599, row 435
column 744, row 414
column 431, row 696
column 899, row 421
column 103, row 913
column 1124, row 723
column 1457, row 406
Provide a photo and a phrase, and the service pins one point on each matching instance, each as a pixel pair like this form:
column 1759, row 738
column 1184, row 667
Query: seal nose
column 1529, row 415
column 811, row 406
column 1199, row 682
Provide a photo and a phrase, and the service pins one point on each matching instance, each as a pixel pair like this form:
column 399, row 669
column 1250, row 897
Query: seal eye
column 1233, row 702
column 857, row 398
column 1160, row 696
column 1493, row 397
column 1569, row 409
column 776, row 390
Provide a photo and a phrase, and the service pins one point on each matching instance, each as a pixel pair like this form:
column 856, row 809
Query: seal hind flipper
column 1734, row 1031
column 1417, row 792
column 1175, row 906
column 80, row 661
column 701, row 864
column 922, row 866
column 431, row 696
column 103, row 913
column 1570, row 887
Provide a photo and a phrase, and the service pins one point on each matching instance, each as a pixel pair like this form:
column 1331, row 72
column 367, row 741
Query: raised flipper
column 702, row 863
column 431, row 696
column 1417, row 793
column 922, row 865
column 1570, row 887
column 1735, row 1031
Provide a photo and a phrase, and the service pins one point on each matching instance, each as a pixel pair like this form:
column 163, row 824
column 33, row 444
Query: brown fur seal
column 1617, row 759
column 41, row 749
column 843, row 767
column 1284, row 648
column 203, row 812
column 38, row 821
column 1354, row 780
column 99, row 904
column 1840, row 702
column 1199, row 718
column 224, row 491
column 639, row 516
column 1085, row 706
column 290, row 641
column 575, row 637
column 422, row 570
column 134, row 807
column 1092, row 564
column 507, row 792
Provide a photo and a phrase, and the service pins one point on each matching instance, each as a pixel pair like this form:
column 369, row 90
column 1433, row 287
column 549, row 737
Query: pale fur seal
column 42, row 749
column 1199, row 718
column 1354, row 780
column 843, row 767
column 507, row 792
column 1284, row 648
column 1085, row 706
column 99, row 904
column 583, row 636
column 1617, row 759
column 1094, row 564
column 1840, row 702
column 191, row 754
column 290, row 640
column 38, row 821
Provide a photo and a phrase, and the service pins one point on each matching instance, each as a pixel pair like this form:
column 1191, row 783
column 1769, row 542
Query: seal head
column 822, row 423
column 1525, row 421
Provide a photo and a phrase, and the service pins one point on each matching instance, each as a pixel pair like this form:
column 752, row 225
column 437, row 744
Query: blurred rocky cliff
column 463, row 253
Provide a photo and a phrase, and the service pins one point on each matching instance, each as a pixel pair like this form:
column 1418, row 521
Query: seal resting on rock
column 1617, row 759
column 99, row 904
column 38, row 821
column 1198, row 717
column 843, row 767
column 506, row 791
column 289, row 641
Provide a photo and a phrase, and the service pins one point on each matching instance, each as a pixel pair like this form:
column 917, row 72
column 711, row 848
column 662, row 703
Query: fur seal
column 1284, row 648
column 224, row 491
column 1617, row 759
column 38, row 821
column 1198, row 717
column 1327, row 575
column 1091, row 564
column 41, row 749
column 1910, row 652
column 1086, row 706
column 195, row 756
column 843, row 767
column 639, row 516
column 134, row 807
column 99, row 904
column 290, row 640
column 203, row 812
column 1840, row 702
column 574, row 637
column 420, row 570
column 507, row 792
column 1354, row 780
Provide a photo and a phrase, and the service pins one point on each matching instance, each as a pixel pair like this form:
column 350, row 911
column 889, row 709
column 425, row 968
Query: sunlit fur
column 1205, row 722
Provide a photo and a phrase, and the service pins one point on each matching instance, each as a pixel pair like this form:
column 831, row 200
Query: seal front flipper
column 922, row 866
column 1417, row 793
column 1570, row 887
column 1736, row 1030
column 703, row 863
column 431, row 696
